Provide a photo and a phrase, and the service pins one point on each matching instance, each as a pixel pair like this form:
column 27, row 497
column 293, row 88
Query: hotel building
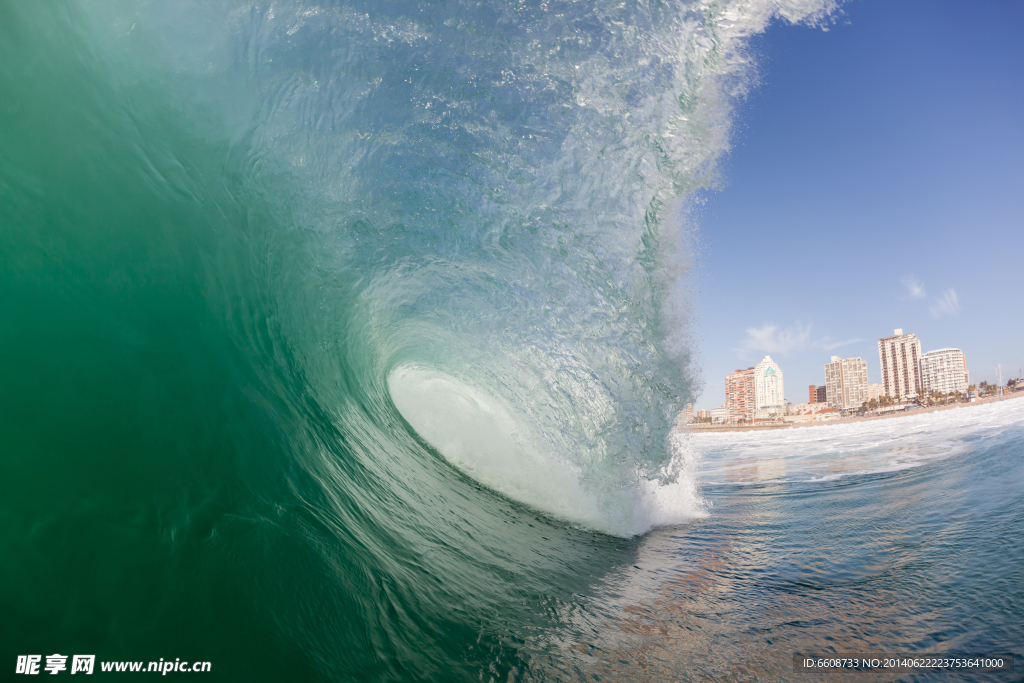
column 945, row 371
column 900, row 357
column 846, row 383
column 769, row 396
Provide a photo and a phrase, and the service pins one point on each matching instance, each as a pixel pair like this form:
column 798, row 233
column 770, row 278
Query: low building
column 703, row 414
column 809, row 408
column 945, row 371
column 719, row 415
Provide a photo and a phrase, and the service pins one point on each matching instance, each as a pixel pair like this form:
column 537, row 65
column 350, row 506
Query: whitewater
column 345, row 341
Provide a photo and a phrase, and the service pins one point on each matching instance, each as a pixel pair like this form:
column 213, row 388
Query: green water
column 206, row 284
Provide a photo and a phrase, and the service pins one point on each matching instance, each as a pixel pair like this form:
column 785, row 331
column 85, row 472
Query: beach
column 697, row 427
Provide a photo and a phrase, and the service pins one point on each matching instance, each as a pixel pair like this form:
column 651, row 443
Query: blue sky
column 878, row 169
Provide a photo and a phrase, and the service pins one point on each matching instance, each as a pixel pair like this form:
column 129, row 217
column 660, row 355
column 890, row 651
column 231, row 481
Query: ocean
column 344, row 342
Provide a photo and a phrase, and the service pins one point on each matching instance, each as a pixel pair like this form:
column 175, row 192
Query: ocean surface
column 344, row 341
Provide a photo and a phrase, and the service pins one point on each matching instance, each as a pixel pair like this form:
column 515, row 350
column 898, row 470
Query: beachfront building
column 769, row 397
column 719, row 415
column 816, row 394
column 900, row 357
column 739, row 396
column 846, row 383
column 810, row 408
column 945, row 371
column 875, row 392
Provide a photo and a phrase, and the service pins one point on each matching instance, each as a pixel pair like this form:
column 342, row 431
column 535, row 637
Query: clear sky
column 876, row 181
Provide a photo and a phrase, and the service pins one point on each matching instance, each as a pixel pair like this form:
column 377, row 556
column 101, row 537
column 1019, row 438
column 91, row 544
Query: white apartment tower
column 769, row 396
column 846, row 383
column 945, row 370
column 900, row 356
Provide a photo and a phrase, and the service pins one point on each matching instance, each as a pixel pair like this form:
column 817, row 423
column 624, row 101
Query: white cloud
column 915, row 290
column 827, row 345
column 947, row 305
column 769, row 338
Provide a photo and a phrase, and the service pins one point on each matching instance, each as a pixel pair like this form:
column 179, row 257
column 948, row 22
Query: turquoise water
column 343, row 342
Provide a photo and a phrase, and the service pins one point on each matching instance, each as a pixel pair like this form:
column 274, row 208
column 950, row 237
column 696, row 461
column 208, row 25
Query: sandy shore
column 813, row 423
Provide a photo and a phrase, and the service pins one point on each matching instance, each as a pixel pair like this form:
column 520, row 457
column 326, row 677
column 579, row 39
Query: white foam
column 480, row 435
column 483, row 437
column 829, row 452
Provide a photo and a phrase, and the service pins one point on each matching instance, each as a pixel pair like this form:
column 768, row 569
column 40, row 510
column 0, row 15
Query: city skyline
column 841, row 150
column 798, row 393
column 906, row 372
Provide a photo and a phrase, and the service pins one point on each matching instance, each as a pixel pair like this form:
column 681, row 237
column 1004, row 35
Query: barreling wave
column 328, row 268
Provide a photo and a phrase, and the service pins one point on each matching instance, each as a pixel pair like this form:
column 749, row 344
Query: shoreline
column 697, row 429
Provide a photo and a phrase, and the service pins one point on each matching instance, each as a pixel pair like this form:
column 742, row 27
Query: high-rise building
column 739, row 396
column 900, row 357
column 846, row 383
column 875, row 392
column 821, row 395
column 812, row 394
column 769, row 396
column 945, row 370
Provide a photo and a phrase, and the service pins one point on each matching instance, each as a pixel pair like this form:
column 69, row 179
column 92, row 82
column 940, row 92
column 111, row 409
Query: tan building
column 846, row 383
column 875, row 391
column 739, row 396
column 945, row 371
column 900, row 357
